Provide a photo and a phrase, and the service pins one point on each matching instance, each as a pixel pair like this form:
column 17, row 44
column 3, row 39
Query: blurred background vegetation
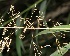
column 56, row 10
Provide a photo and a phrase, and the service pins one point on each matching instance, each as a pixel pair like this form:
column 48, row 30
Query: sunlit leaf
column 63, row 49
column 54, row 30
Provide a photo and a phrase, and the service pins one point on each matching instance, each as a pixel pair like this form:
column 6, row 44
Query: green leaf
column 19, row 43
column 18, row 46
column 57, row 29
column 63, row 49
column 43, row 8
column 0, row 54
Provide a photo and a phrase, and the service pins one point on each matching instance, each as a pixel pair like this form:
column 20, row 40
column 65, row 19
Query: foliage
column 48, row 7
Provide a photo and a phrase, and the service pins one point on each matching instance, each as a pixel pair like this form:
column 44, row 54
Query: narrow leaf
column 54, row 30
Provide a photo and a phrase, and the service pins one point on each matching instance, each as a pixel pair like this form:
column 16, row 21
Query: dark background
column 57, row 10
